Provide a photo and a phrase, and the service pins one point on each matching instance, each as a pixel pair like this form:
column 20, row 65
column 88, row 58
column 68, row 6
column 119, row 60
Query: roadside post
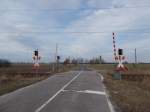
column 36, row 59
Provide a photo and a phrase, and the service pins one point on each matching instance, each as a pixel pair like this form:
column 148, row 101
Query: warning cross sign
column 36, row 59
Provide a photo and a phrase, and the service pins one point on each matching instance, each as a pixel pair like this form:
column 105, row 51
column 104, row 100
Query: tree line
column 5, row 63
column 96, row 60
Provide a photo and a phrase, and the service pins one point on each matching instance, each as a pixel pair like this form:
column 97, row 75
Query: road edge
column 111, row 107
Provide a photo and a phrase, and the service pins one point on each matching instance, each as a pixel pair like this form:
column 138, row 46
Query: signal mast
column 36, row 59
column 118, row 56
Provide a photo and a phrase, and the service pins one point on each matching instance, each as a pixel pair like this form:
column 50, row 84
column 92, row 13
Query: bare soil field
column 127, row 95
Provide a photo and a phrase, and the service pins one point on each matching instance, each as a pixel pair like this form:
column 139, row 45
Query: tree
column 67, row 61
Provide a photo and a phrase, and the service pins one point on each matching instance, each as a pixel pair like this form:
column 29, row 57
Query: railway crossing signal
column 57, row 63
column 36, row 53
column 120, row 60
column 118, row 56
column 36, row 59
column 120, row 51
column 58, row 57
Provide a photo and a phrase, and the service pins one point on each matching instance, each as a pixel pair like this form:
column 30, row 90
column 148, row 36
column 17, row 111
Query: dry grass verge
column 13, row 78
column 9, row 84
column 128, row 95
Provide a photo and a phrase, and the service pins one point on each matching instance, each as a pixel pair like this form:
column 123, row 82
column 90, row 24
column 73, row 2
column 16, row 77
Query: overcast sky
column 82, row 28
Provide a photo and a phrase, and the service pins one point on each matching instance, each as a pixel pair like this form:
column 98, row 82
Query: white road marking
column 102, row 78
column 111, row 107
column 87, row 92
column 41, row 107
column 94, row 92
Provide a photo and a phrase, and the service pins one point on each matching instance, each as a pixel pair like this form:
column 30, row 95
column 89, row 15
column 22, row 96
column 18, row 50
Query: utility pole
column 56, row 53
column 100, row 60
column 56, row 61
column 135, row 56
column 57, row 58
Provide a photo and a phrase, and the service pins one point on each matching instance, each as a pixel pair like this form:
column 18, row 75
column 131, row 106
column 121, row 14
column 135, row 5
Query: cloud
column 99, row 3
column 122, row 20
column 27, row 25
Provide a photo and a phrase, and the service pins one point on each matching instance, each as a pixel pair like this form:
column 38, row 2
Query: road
column 74, row 91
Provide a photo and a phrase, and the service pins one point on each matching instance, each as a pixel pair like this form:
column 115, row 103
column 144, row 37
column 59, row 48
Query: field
column 21, row 75
column 128, row 95
column 131, row 67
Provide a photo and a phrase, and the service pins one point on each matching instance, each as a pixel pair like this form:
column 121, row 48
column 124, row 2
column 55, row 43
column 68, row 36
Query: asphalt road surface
column 74, row 91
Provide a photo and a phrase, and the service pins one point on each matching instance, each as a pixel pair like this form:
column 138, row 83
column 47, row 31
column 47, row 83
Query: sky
column 81, row 28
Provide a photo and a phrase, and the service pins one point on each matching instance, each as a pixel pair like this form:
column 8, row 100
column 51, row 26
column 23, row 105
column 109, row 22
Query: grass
column 9, row 84
column 128, row 96
column 11, row 79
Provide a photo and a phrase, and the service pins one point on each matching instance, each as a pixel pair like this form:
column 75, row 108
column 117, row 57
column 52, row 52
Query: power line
column 57, row 32
column 144, row 27
column 76, row 9
column 133, row 30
